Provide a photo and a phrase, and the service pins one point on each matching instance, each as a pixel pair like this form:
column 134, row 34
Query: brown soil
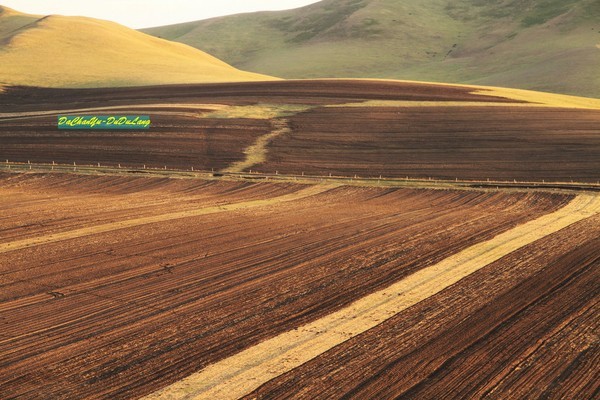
column 125, row 312
column 242, row 373
column 304, row 91
column 505, row 143
column 470, row 142
column 522, row 327
column 175, row 141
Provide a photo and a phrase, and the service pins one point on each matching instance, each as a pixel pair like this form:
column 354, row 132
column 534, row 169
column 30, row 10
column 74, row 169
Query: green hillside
column 548, row 45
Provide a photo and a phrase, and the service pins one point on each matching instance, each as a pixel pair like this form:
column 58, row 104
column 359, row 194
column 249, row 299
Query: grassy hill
column 57, row 51
column 548, row 45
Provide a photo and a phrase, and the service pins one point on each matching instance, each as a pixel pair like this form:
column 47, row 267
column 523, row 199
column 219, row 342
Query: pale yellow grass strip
column 92, row 230
column 257, row 152
column 544, row 98
column 238, row 375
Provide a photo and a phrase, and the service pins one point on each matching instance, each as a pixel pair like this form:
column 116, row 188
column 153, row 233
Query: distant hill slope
column 548, row 45
column 57, row 51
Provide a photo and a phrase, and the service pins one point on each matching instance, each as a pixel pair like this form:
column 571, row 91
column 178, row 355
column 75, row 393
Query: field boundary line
column 240, row 374
column 113, row 226
column 308, row 179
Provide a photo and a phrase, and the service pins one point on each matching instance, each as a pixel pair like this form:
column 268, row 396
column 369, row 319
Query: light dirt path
column 257, row 153
column 92, row 230
column 238, row 375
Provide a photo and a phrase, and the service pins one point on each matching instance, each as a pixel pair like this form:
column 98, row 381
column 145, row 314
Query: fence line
column 378, row 179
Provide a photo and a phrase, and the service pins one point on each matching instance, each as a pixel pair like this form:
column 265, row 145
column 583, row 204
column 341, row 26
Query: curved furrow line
column 25, row 243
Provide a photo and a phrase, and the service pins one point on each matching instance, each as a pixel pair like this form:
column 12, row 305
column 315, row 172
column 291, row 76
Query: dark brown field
column 121, row 313
column 179, row 142
column 525, row 327
column 304, row 91
column 508, row 143
column 118, row 286
column 504, row 143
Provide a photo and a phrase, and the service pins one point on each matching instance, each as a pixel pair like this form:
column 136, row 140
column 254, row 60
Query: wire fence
column 122, row 168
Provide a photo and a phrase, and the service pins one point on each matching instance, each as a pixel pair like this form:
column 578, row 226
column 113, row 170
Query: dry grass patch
column 258, row 111
column 543, row 98
column 257, row 153
column 58, row 51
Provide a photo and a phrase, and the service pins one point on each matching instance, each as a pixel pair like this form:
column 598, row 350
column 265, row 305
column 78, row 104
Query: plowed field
column 126, row 286
column 407, row 130
column 523, row 327
column 505, row 143
column 116, row 287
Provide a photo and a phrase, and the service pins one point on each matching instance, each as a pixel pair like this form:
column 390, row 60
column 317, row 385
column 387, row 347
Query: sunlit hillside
column 57, row 51
column 547, row 45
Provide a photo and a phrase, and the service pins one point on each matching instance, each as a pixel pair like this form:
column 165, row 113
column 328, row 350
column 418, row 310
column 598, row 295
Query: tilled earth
column 523, row 327
column 507, row 141
column 122, row 313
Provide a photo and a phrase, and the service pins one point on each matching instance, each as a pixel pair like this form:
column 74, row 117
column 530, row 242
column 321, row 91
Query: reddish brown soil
column 175, row 141
column 506, row 143
column 523, row 327
column 303, row 91
column 123, row 313
column 442, row 142
column 50, row 203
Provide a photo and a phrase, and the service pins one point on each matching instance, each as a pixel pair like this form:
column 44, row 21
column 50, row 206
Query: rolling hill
column 547, row 45
column 57, row 51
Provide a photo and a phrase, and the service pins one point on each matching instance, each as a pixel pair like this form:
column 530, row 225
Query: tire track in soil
column 103, row 228
column 242, row 373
